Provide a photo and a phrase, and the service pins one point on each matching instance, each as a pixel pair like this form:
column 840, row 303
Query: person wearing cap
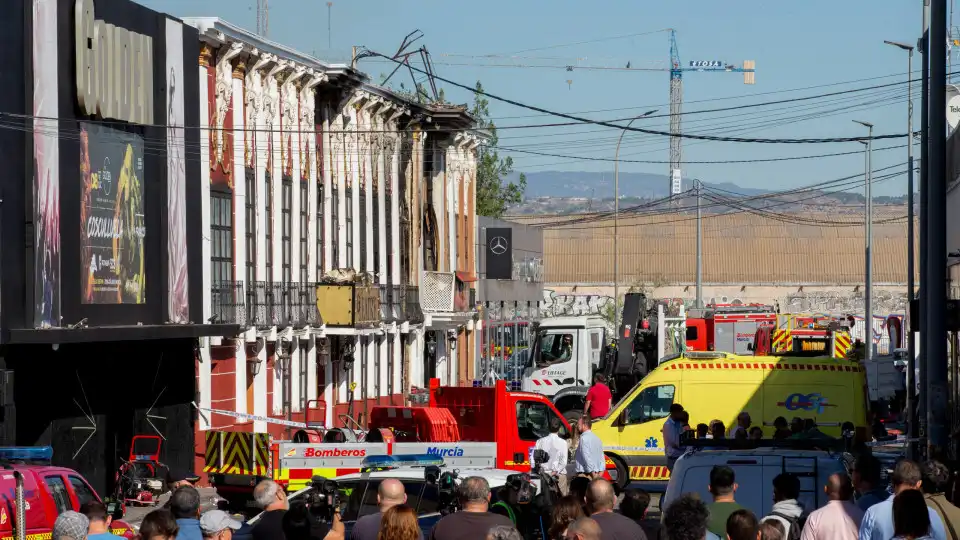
column 70, row 525
column 177, row 478
column 218, row 524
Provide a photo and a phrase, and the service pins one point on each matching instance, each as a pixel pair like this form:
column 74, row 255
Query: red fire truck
column 466, row 426
column 727, row 328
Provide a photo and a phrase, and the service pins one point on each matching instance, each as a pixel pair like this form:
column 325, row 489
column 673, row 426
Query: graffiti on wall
column 884, row 302
column 562, row 305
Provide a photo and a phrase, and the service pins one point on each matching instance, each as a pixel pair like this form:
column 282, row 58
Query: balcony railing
column 269, row 304
column 228, row 303
column 366, row 305
column 304, row 305
column 411, row 304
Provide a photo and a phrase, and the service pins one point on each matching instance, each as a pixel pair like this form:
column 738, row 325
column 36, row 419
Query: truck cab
column 726, row 328
column 565, row 354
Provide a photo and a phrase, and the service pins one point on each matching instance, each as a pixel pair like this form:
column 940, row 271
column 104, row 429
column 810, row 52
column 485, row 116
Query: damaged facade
column 341, row 218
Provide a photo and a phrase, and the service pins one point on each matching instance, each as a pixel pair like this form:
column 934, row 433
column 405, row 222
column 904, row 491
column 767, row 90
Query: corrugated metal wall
column 737, row 248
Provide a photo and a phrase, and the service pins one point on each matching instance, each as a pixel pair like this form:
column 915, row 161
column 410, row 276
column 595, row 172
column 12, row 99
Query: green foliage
column 494, row 193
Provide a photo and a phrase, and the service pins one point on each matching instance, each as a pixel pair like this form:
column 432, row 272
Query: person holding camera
column 390, row 493
column 273, row 500
column 474, row 520
column 557, row 449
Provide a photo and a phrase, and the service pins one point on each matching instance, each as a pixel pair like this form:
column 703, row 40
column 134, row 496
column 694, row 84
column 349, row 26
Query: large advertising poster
column 112, row 227
column 177, row 286
column 46, row 162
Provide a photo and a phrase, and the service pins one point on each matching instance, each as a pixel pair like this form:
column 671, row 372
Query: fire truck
column 727, row 328
column 476, row 427
column 803, row 335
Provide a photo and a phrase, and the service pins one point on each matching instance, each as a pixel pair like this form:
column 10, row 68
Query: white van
column 755, row 470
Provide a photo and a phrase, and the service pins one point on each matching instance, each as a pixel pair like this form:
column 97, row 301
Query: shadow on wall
column 88, row 400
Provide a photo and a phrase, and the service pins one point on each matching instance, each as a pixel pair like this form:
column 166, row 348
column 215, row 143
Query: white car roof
column 495, row 477
column 581, row 321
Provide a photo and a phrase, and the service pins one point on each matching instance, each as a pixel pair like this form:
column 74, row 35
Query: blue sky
column 794, row 44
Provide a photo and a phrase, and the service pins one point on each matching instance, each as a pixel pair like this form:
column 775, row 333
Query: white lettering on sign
column 114, row 69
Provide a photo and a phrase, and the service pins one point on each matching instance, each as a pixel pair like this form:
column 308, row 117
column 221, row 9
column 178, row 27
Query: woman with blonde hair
column 399, row 523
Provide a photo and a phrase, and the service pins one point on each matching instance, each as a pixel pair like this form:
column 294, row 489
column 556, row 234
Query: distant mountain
column 570, row 184
column 566, row 192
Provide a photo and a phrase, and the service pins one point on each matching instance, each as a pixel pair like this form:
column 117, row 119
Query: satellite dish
column 953, row 106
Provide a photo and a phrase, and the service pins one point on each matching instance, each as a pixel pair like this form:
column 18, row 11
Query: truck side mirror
column 622, row 419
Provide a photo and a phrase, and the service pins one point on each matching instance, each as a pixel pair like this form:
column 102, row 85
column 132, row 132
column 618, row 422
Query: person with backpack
column 840, row 518
column 786, row 509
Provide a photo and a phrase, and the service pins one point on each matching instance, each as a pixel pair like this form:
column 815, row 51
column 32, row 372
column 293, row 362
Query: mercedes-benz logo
column 498, row 245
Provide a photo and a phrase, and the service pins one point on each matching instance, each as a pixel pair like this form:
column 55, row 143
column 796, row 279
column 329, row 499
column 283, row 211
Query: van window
column 351, row 493
column 691, row 333
column 58, row 490
column 750, row 490
column 651, row 403
column 82, row 490
column 533, row 420
column 555, row 347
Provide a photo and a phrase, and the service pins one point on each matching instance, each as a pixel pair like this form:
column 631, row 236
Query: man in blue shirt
column 877, row 522
column 589, row 456
column 185, row 507
column 868, row 482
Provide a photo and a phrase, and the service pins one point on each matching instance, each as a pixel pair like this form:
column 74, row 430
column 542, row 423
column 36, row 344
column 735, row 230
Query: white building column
column 276, row 182
column 360, row 359
column 329, row 228
column 395, row 239
column 297, row 367
column 328, row 389
column 260, row 389
column 355, row 157
column 311, row 356
column 383, row 368
column 240, row 371
column 398, row 387
column 341, row 156
column 203, row 376
column 309, row 142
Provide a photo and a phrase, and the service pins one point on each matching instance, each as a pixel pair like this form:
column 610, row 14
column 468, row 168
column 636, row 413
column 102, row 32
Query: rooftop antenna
column 402, row 57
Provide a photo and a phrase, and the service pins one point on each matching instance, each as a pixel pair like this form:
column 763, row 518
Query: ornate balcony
column 304, row 305
column 228, row 303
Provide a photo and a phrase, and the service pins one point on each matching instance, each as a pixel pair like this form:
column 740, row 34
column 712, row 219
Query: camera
column 323, row 499
column 446, row 482
column 523, row 486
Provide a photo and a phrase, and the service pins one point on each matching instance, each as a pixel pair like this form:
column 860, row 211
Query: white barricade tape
column 254, row 417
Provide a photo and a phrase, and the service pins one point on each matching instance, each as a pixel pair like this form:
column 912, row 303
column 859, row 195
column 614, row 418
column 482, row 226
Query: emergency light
column 395, row 461
column 26, row 453
column 515, row 385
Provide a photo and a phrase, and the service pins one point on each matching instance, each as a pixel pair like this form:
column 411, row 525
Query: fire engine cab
column 799, row 335
column 727, row 328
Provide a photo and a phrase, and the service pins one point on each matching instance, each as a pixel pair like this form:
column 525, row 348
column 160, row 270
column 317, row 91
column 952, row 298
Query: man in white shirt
column 743, row 424
column 558, row 451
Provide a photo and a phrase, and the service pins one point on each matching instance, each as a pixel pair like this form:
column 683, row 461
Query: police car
column 358, row 491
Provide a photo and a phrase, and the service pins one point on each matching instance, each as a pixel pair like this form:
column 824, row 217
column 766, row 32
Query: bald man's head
column 839, row 487
column 600, row 496
column 584, row 529
column 390, row 493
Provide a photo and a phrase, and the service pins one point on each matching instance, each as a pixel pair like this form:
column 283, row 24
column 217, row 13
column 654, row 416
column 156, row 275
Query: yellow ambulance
column 718, row 386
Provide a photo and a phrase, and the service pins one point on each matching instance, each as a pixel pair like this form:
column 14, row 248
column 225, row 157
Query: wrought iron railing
column 396, row 302
column 412, row 311
column 304, row 305
column 228, row 304
column 366, row 305
column 270, row 304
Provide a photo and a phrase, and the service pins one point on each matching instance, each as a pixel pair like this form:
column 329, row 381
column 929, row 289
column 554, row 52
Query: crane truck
column 568, row 351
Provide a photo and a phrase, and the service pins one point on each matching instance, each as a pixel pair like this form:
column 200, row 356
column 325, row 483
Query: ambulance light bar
column 26, row 453
column 396, row 461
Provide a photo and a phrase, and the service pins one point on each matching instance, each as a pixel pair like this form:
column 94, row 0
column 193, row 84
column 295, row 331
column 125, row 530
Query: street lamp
column 616, row 223
column 911, row 345
column 868, row 236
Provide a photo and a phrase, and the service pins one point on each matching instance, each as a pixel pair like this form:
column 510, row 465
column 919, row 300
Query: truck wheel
column 573, row 416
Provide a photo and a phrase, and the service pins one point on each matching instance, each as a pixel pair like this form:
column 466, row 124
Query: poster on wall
column 46, row 162
column 177, row 287
column 112, row 227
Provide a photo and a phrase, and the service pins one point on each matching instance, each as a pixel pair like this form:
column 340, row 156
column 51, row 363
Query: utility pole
column 868, row 242
column 699, row 248
column 911, row 346
column 329, row 33
column 616, row 224
column 936, row 277
column 924, row 299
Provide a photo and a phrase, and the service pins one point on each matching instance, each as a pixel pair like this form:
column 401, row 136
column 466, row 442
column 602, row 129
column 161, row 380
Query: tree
column 494, row 192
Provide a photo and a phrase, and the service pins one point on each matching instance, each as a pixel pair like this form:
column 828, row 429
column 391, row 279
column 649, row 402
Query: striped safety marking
column 237, row 452
column 548, row 382
column 649, row 472
column 762, row 365
column 841, row 345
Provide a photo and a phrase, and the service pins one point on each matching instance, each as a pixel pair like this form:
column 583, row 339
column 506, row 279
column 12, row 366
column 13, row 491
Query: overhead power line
column 611, row 125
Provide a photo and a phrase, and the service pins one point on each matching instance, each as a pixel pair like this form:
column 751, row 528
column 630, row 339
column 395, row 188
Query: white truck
column 564, row 356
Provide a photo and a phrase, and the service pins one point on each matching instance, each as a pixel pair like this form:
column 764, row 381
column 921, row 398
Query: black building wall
column 60, row 395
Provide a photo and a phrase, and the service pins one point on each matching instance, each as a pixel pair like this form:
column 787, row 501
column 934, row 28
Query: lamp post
column 616, row 223
column 911, row 345
column 868, row 237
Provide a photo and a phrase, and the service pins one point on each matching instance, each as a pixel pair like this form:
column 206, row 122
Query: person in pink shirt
column 840, row 518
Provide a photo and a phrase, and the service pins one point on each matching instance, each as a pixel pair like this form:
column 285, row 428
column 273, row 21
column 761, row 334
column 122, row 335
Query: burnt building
column 101, row 313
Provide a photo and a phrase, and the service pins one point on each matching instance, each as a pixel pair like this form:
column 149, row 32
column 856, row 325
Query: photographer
column 473, row 521
column 273, row 500
column 299, row 524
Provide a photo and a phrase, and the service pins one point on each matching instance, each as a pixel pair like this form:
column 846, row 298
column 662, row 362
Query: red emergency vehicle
column 48, row 492
column 727, row 328
column 477, row 427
